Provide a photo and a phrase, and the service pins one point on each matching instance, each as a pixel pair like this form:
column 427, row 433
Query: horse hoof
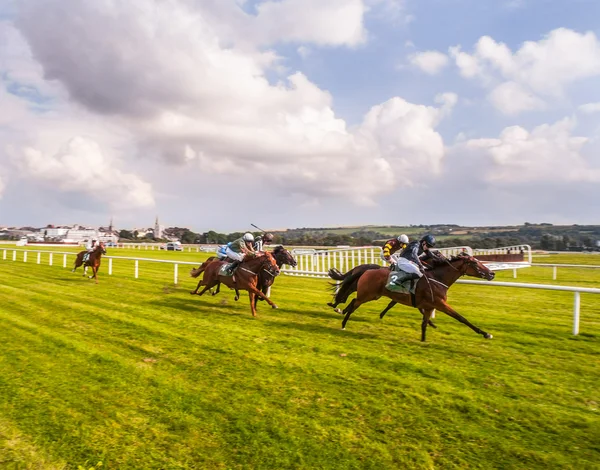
column 338, row 310
column 274, row 306
column 236, row 298
column 193, row 293
column 343, row 328
column 488, row 336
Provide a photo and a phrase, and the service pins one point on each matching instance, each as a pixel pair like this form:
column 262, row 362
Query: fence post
column 25, row 256
column 576, row 305
column 176, row 269
column 64, row 261
column 554, row 269
column 4, row 255
column 136, row 268
column 39, row 256
column 15, row 255
column 515, row 273
column 109, row 266
column 50, row 259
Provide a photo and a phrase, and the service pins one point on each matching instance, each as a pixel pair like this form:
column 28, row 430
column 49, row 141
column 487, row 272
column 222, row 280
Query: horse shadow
column 318, row 329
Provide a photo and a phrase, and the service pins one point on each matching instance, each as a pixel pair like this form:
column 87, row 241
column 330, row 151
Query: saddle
column 225, row 270
column 397, row 282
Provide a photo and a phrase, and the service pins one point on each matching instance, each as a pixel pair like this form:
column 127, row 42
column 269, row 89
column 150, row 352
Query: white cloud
column 549, row 154
column 512, row 98
column 334, row 23
column 430, row 62
column 81, row 167
column 537, row 71
column 590, row 108
column 196, row 99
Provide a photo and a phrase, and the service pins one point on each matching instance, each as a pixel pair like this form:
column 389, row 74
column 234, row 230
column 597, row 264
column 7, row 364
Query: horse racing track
column 139, row 374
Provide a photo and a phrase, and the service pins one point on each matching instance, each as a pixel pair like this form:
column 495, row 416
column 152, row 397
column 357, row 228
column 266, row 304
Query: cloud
column 80, row 167
column 511, row 98
column 186, row 95
column 549, row 154
column 539, row 71
column 589, row 108
column 430, row 62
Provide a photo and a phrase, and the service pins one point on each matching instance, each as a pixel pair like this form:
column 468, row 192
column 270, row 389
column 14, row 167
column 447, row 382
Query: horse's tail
column 336, row 275
column 341, row 291
column 200, row 269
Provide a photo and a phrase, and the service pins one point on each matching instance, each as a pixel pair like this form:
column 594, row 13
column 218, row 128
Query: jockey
column 238, row 249
column 410, row 260
column 91, row 246
column 392, row 246
column 262, row 240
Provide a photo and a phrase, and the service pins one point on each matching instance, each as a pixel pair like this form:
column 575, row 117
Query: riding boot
column 233, row 266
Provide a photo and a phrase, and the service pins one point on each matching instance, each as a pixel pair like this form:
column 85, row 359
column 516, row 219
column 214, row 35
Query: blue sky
column 350, row 112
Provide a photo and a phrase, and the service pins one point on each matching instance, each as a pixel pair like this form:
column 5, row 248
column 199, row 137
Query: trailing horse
column 265, row 278
column 244, row 278
column 430, row 293
column 93, row 261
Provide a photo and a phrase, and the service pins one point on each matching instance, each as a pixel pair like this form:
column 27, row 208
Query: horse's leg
column 425, row 322
column 252, row 302
column 207, row 287
column 253, row 289
column 95, row 270
column 218, row 289
column 195, row 291
column 444, row 307
column 390, row 305
column 352, row 306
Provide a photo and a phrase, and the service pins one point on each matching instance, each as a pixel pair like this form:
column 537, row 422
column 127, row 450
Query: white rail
column 576, row 290
column 109, row 258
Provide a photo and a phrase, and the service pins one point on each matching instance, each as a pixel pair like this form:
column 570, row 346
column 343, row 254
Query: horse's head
column 270, row 264
column 475, row 268
column 283, row 256
column 101, row 248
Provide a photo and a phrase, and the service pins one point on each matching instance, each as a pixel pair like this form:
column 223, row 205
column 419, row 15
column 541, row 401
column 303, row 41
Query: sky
column 216, row 114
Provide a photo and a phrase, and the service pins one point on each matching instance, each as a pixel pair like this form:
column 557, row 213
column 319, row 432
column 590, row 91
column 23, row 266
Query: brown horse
column 431, row 291
column 93, row 261
column 244, row 278
column 265, row 278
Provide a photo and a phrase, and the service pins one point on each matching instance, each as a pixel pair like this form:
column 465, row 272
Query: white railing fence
column 576, row 290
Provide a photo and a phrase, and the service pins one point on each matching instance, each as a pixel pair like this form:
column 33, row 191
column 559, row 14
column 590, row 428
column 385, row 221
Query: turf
column 138, row 374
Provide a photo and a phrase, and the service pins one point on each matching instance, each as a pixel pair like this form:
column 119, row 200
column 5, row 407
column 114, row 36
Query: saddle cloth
column 224, row 270
column 398, row 283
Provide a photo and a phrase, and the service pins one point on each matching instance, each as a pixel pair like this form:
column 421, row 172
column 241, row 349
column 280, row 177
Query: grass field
column 138, row 374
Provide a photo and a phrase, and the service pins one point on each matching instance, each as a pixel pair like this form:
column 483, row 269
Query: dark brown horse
column 431, row 291
column 244, row 278
column 265, row 278
column 93, row 261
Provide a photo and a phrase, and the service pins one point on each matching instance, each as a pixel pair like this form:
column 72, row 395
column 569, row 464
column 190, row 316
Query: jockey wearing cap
column 392, row 246
column 91, row 246
column 262, row 240
column 238, row 249
column 410, row 260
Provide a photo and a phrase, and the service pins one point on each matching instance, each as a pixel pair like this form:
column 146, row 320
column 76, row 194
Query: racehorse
column 265, row 278
column 244, row 278
column 430, row 294
column 93, row 261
